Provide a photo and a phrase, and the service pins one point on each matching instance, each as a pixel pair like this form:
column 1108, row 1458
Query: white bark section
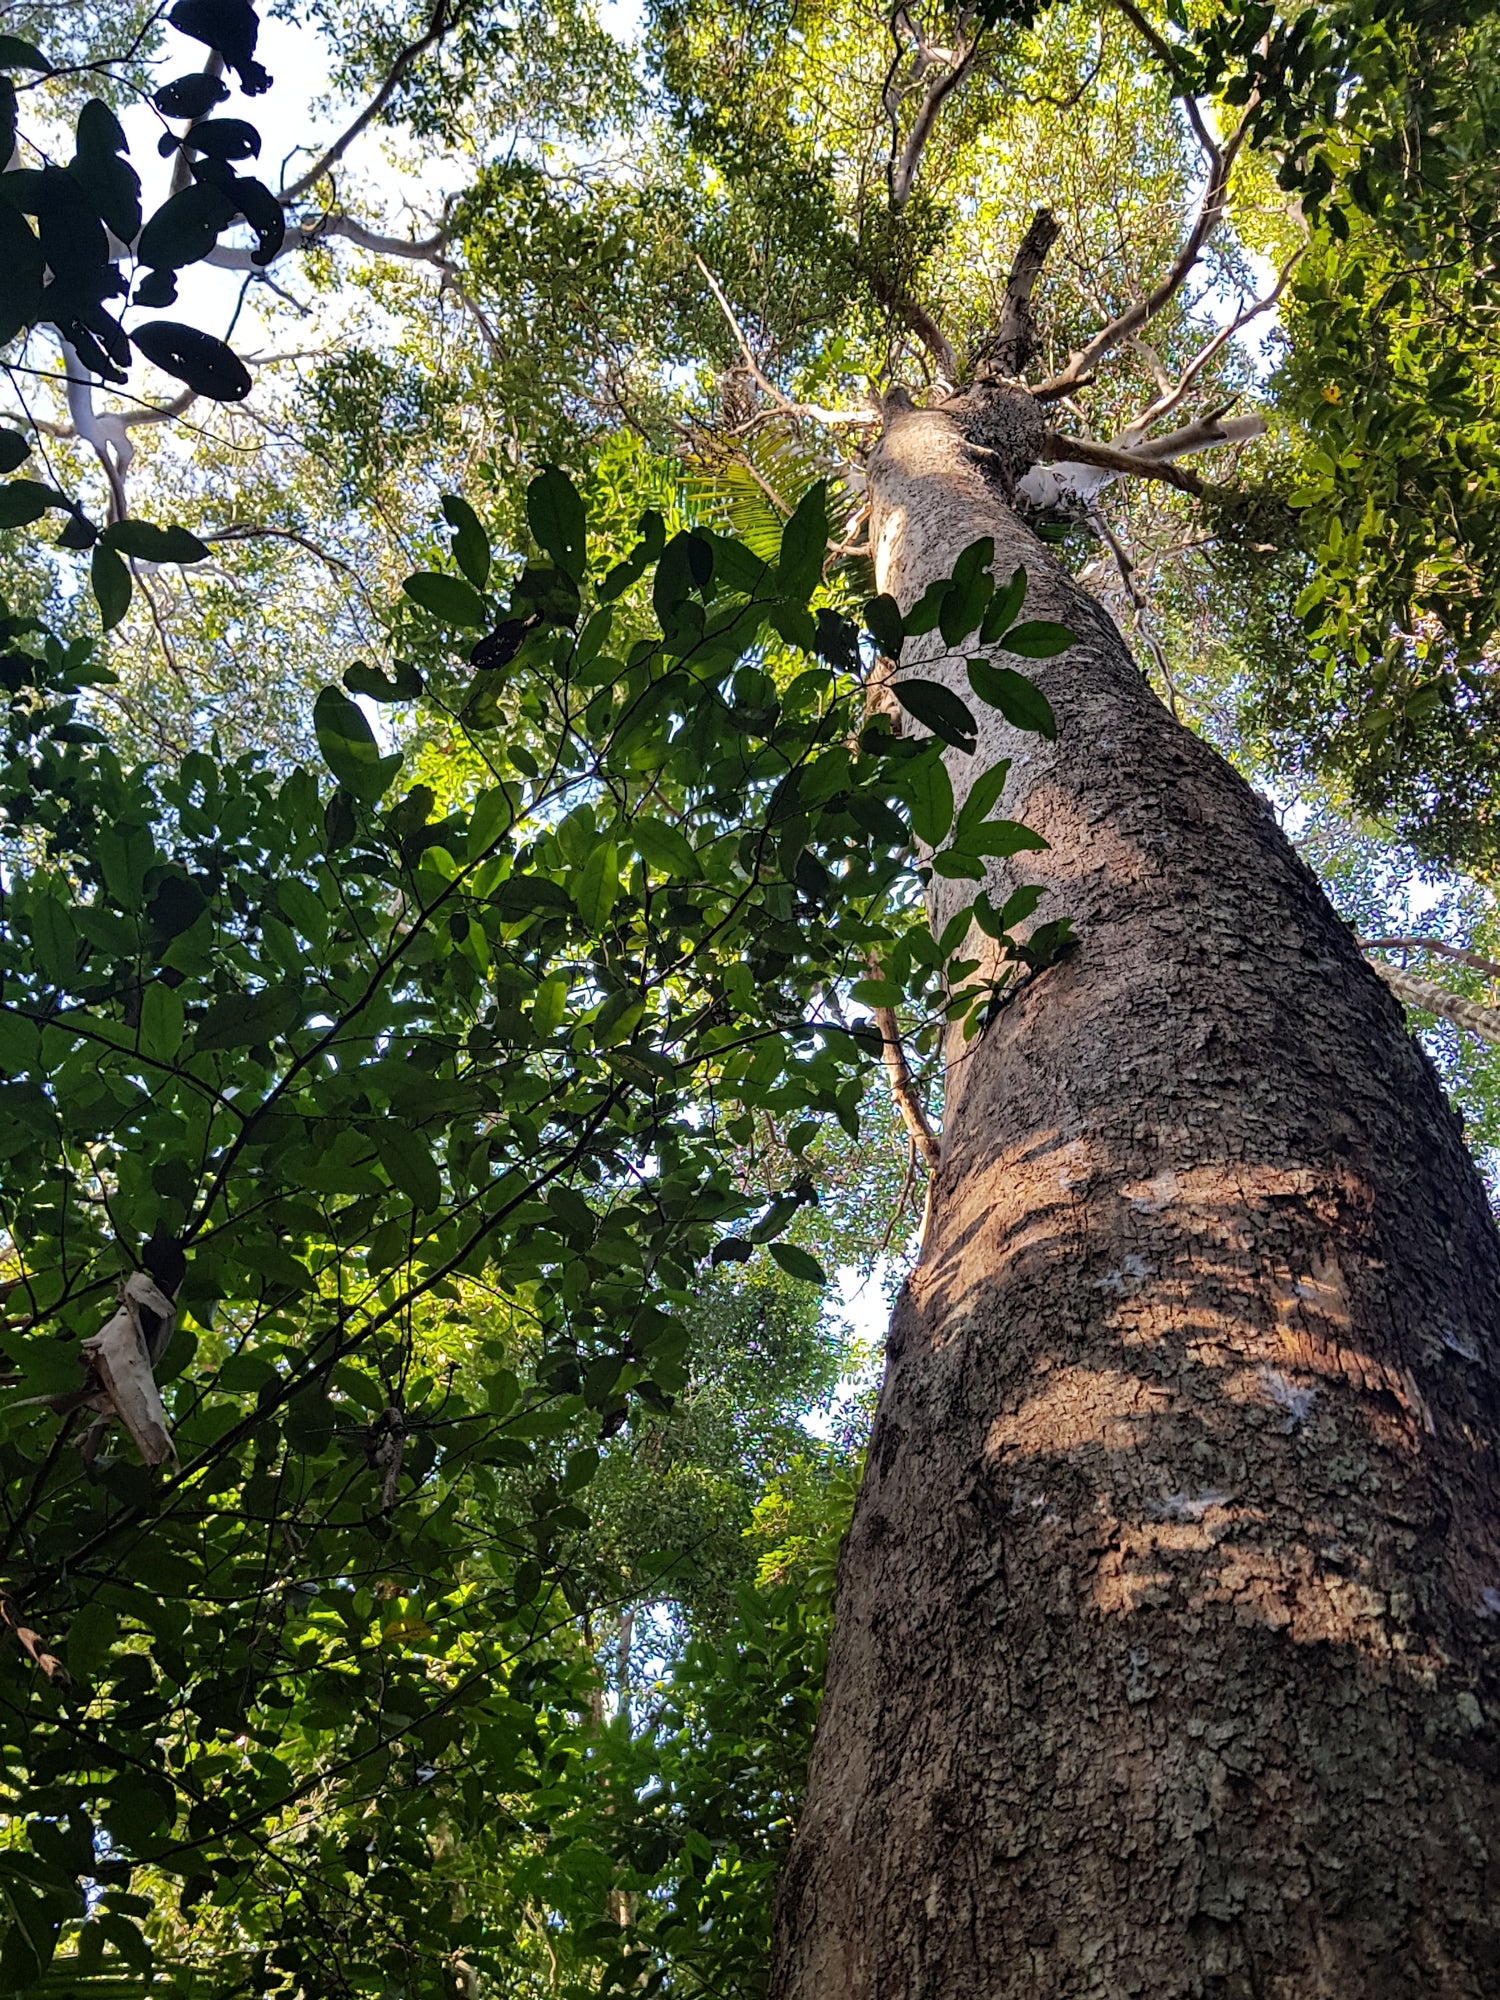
column 122, row 1355
column 1069, row 483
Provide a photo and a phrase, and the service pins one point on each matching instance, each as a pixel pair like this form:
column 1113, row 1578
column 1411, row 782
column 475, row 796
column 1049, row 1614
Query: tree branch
column 1221, row 159
column 814, row 412
column 439, row 21
column 907, row 1098
column 1003, row 357
column 1438, row 945
column 1173, row 394
column 1433, row 999
column 901, row 171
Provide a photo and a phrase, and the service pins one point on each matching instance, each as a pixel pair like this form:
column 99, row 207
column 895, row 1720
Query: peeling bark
column 1167, row 1651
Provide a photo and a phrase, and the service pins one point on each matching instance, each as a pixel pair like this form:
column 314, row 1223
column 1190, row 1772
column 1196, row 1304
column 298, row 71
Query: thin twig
column 438, row 24
column 814, row 412
column 1440, row 946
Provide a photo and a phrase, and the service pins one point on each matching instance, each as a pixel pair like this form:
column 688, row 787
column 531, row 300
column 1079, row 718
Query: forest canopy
column 468, row 1006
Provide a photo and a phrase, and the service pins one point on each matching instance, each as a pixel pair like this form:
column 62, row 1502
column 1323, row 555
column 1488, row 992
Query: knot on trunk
column 1004, row 426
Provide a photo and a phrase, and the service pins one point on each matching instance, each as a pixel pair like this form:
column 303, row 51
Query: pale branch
column 1439, row 946
column 903, row 168
column 1004, row 355
column 1433, row 999
column 1173, row 394
column 813, row 412
column 305, row 235
column 1221, row 158
column 439, row 22
column 1203, row 434
column 1110, row 458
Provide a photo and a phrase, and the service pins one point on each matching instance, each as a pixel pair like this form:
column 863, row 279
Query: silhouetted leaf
column 185, row 228
column 14, row 450
column 231, row 27
column 150, row 543
column 190, row 96
column 111, row 183
column 208, row 366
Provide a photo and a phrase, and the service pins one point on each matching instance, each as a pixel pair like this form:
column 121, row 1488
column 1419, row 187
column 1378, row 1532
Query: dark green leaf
column 448, row 598
column 883, row 623
column 1002, row 836
column 799, row 1263
column 1038, row 639
column 940, row 709
column 18, row 54
column 349, row 747
column 22, row 266
column 804, row 544
column 23, row 501
column 111, row 183
column 150, row 543
column 930, row 796
column 924, row 614
column 984, row 795
column 182, row 231
column 109, row 577
column 191, row 96
column 471, row 545
column 596, row 885
column 556, row 517
column 665, row 849
column 209, row 367
column 1018, row 699
column 1005, row 605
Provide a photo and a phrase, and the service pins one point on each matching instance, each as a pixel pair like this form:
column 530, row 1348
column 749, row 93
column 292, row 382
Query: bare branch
column 1175, row 393
column 439, row 21
column 814, row 412
column 925, row 327
column 304, row 235
column 903, row 171
column 1440, row 946
column 904, row 1091
column 1221, row 159
column 1203, row 434
column 1003, row 357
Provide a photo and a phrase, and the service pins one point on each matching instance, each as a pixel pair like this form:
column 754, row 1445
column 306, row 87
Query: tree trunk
column 1165, row 1659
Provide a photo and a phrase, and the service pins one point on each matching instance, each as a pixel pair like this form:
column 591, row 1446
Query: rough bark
column 1165, row 1659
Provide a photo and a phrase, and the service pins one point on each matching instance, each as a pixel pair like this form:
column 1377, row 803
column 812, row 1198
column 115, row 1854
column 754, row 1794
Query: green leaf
column 966, row 597
column 90, row 1638
column 1018, row 699
column 665, row 849
column 110, row 580
column 984, row 795
column 23, row 501
column 883, row 623
column 930, row 796
column 349, row 747
column 447, row 597
column 549, row 1006
column 161, row 1021
column 1016, row 908
column 958, row 866
column 877, row 992
column 1003, row 836
column 14, row 450
column 1039, row 639
column 148, row 543
column 596, row 884
column 53, row 938
column 471, row 545
column 798, row 1263
column 240, row 1020
column 556, row 517
column 408, row 1161
column 1004, row 606
column 804, row 544
column 924, row 614
column 940, row 709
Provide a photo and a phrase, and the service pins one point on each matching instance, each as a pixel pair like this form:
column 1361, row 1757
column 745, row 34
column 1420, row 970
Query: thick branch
column 1110, row 458
column 1003, row 357
column 1175, row 393
column 303, row 235
column 439, row 22
column 959, row 60
column 1438, row 1000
